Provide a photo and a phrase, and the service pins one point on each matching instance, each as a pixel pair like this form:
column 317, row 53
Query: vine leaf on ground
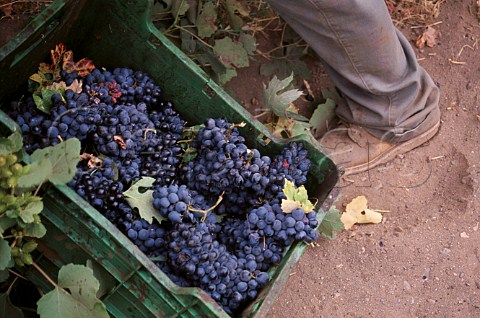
column 189, row 43
column 231, row 53
column 79, row 302
column 357, row 211
column 5, row 255
column 220, row 71
column 227, row 75
column 249, row 42
column 332, row 93
column 63, row 158
column 330, row 223
column 276, row 98
column 7, row 309
column 180, row 7
column 11, row 144
column 235, row 7
column 143, row 200
column 284, row 67
column 205, row 23
column 296, row 198
column 321, row 118
column 291, row 125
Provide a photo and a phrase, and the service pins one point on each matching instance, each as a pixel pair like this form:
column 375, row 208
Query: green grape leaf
column 280, row 68
column 32, row 208
column 36, row 230
column 63, row 157
column 289, row 189
column 179, row 7
column 330, row 223
column 5, row 256
column 219, row 71
column 322, row 117
column 189, row 42
column 205, row 23
column 298, row 129
column 79, row 302
column 331, row 93
column 4, row 275
column 11, row 144
column 44, row 102
column 235, row 7
column 7, row 309
column 227, row 75
column 249, row 42
column 231, row 53
column 39, row 78
column 192, row 11
column 189, row 154
column 297, row 117
column 107, row 281
column 6, row 223
column 276, row 98
column 39, row 172
column 143, row 200
column 296, row 198
column 284, row 67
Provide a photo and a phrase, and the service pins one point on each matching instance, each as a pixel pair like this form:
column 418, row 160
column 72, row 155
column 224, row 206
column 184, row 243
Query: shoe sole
column 394, row 151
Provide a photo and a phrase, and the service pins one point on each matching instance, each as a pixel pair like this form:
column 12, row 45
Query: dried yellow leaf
column 288, row 205
column 357, row 212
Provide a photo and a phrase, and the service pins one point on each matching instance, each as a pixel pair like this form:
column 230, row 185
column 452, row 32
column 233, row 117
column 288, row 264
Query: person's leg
column 370, row 62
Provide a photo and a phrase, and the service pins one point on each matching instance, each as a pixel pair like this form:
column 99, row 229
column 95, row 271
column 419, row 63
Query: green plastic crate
column 119, row 33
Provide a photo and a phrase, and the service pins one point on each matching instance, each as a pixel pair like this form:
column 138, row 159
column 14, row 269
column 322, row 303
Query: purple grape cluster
column 195, row 253
column 128, row 132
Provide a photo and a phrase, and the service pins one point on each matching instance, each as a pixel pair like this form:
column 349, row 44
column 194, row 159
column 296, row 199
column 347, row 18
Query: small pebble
column 445, row 251
column 426, row 274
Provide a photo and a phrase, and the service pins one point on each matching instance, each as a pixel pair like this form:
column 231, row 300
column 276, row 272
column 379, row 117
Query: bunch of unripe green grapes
column 12, row 206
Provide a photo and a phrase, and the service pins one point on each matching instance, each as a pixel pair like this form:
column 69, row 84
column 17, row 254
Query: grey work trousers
column 370, row 62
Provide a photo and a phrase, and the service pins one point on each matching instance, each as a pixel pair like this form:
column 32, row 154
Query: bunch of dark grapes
column 270, row 221
column 123, row 85
column 224, row 164
column 254, row 251
column 33, row 123
column 178, row 203
column 291, row 164
column 162, row 158
column 106, row 196
column 195, row 253
column 128, row 132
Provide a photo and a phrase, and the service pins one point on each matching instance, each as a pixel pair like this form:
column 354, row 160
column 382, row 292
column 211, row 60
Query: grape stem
column 45, row 275
column 11, row 285
column 146, row 132
column 261, row 114
column 37, row 189
column 184, row 140
column 17, row 274
column 204, row 212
